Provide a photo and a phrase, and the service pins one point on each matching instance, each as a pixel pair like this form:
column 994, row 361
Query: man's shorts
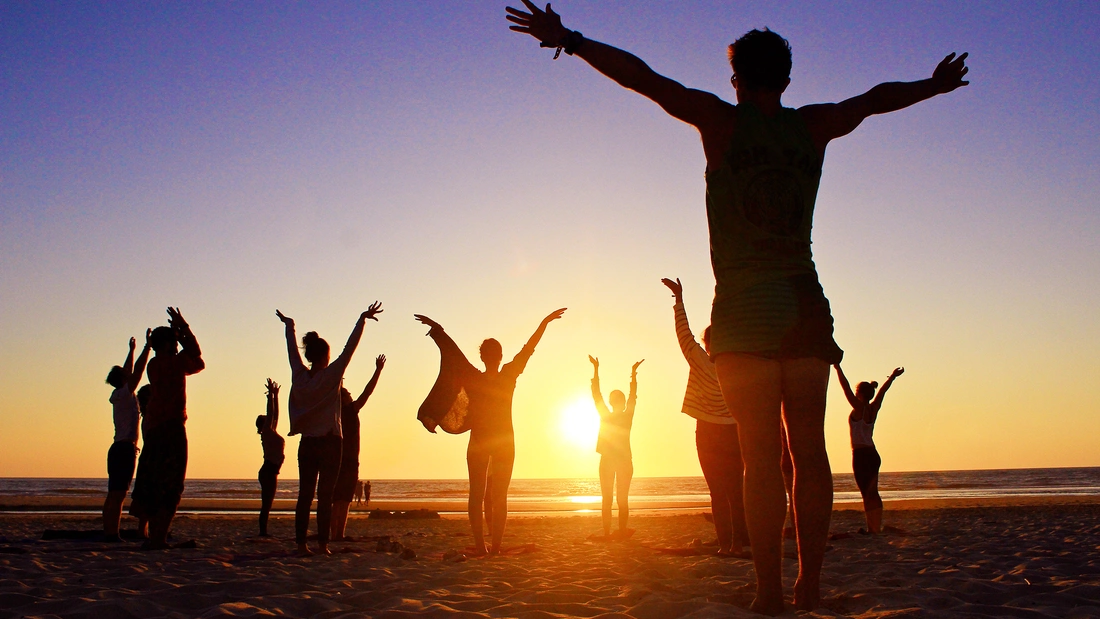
column 121, row 459
column 787, row 318
column 161, row 470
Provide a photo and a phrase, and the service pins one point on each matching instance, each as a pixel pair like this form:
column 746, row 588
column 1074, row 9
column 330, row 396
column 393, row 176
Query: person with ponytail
column 865, row 458
column 314, row 408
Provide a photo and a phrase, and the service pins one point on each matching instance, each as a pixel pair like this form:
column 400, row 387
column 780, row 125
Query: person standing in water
column 162, row 468
column 314, row 407
column 348, row 478
column 716, row 436
column 771, row 325
column 613, row 445
column 464, row 398
column 122, row 456
column 865, row 459
column 274, row 446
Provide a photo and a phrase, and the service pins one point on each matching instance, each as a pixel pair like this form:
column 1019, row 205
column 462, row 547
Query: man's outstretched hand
column 543, row 25
column 949, row 73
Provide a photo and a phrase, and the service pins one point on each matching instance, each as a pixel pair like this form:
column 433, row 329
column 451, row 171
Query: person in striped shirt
column 715, row 434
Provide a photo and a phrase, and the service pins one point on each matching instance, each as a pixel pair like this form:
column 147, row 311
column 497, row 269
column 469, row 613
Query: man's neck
column 767, row 101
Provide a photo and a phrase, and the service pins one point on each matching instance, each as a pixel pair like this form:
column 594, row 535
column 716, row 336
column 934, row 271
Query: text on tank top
column 760, row 201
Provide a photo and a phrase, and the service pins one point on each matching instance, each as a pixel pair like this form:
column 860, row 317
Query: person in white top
column 865, row 457
column 314, row 408
column 122, row 456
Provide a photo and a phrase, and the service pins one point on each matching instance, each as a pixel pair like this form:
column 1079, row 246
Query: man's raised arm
column 694, row 107
column 832, row 120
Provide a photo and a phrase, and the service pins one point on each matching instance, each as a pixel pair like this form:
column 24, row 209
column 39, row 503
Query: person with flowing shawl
column 465, row 398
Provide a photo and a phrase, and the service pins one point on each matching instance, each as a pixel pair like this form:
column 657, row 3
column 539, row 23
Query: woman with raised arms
column 465, row 398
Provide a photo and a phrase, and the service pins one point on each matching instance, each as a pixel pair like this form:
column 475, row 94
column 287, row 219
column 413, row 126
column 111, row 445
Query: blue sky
column 235, row 158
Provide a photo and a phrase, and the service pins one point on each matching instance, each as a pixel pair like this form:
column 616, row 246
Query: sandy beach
column 998, row 561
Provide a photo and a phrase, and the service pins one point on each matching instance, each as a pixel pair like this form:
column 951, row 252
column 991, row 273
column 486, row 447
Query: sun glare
column 580, row 424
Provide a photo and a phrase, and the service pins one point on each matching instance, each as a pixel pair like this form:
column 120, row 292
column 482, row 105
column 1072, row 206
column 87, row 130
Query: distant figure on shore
column 162, row 467
column 348, row 478
column 314, row 407
column 771, row 325
column 464, row 398
column 274, row 445
column 865, row 458
column 613, row 445
column 122, row 456
column 716, row 437
column 362, row 492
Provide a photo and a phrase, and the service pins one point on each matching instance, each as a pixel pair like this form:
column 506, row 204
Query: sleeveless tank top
column 760, row 201
column 861, row 432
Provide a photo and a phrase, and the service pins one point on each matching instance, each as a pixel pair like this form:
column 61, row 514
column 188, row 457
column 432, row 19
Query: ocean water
column 584, row 494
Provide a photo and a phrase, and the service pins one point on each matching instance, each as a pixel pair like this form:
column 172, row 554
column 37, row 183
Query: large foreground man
column 772, row 330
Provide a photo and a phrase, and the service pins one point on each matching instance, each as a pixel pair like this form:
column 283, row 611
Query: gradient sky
column 231, row 159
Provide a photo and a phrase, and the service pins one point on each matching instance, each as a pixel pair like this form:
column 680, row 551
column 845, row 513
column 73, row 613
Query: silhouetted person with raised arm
column 464, row 398
column 771, row 327
column 716, row 437
column 274, row 446
column 613, row 445
column 314, row 407
column 348, row 478
column 122, row 456
column 865, row 458
column 162, row 468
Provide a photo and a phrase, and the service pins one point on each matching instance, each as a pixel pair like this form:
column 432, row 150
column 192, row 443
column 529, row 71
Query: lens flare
column 580, row 423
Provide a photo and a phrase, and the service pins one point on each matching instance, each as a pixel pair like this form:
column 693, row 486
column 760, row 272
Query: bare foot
column 323, row 549
column 303, row 551
column 770, row 607
column 806, row 596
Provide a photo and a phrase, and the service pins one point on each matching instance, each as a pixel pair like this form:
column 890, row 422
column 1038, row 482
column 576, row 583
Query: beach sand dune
column 976, row 562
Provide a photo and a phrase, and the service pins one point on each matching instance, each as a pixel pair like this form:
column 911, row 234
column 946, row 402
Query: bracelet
column 570, row 42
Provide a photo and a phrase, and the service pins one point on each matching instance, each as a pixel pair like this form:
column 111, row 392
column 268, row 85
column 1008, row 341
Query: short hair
column 706, row 335
column 162, row 337
column 116, row 377
column 260, row 419
column 491, row 347
column 761, row 59
column 316, row 349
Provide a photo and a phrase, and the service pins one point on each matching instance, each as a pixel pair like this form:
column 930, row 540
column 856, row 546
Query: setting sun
column 580, row 424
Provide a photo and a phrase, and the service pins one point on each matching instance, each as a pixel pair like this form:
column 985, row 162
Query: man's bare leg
column 805, row 382
column 752, row 388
